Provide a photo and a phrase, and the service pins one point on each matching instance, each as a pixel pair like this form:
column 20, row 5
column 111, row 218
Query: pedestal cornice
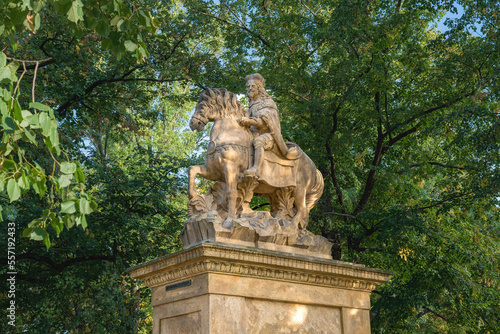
column 258, row 263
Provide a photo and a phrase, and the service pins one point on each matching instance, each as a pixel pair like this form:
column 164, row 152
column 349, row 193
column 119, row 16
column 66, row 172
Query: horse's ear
column 234, row 101
column 211, row 92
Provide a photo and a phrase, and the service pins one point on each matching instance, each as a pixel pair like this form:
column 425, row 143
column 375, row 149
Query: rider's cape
column 266, row 109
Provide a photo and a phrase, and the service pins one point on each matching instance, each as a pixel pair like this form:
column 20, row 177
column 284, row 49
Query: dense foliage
column 402, row 119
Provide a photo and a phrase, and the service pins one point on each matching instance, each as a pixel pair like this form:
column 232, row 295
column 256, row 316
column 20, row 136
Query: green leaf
column 79, row 176
column 81, row 220
column 9, row 164
column 27, row 4
column 68, row 207
column 3, row 59
column 38, row 233
column 85, row 206
column 23, row 182
column 84, row 222
column 44, row 122
column 3, row 109
column 5, row 75
column 31, row 136
column 40, row 186
column 69, row 221
column 37, row 21
column 25, row 117
column 13, row 66
column 75, row 13
column 142, row 51
column 13, row 190
column 130, row 46
column 40, row 106
column 115, row 20
column 8, row 125
column 7, row 98
column 46, row 241
column 27, row 232
column 65, row 180
column 18, row 116
column 57, row 225
column 54, row 137
column 68, row 167
column 120, row 25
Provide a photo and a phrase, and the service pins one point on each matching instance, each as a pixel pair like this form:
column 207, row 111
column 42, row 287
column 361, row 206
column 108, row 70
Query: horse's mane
column 222, row 102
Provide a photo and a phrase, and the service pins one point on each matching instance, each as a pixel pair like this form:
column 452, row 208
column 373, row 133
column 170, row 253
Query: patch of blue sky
column 451, row 16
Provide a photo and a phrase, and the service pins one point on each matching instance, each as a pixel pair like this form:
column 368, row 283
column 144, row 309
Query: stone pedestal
column 227, row 289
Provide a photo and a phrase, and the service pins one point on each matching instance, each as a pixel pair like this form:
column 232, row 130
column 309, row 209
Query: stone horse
column 230, row 153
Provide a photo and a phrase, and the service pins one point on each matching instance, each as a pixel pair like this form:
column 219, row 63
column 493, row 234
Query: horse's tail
column 313, row 194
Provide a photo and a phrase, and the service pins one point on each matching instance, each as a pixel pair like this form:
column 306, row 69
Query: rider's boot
column 259, row 154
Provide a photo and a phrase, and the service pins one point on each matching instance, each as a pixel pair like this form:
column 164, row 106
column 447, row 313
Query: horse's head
column 198, row 121
column 215, row 104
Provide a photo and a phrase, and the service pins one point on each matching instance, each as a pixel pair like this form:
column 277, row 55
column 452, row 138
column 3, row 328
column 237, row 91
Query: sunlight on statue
column 298, row 315
column 248, row 157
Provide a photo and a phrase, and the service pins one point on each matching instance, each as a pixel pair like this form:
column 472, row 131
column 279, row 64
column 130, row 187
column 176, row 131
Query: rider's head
column 255, row 86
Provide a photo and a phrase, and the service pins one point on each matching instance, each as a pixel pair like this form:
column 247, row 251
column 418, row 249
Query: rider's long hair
column 261, row 83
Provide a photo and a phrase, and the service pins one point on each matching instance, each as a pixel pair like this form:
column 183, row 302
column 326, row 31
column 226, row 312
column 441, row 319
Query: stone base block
column 219, row 288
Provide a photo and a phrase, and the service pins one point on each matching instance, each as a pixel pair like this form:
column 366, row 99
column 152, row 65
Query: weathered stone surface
column 239, row 290
column 274, row 317
column 248, row 157
column 356, row 320
column 179, row 324
column 257, row 229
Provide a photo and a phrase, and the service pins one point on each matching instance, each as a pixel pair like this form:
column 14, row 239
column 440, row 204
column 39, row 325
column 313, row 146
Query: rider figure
column 264, row 123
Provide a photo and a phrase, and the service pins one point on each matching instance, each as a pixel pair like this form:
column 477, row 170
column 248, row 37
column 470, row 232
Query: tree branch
column 262, row 39
column 309, row 9
column 344, row 97
column 37, row 63
column 428, row 111
column 439, row 164
column 339, row 214
column 377, row 158
column 446, row 166
column 123, row 78
column 428, row 310
column 333, row 174
column 60, row 266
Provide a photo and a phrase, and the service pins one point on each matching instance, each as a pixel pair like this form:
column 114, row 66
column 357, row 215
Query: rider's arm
column 253, row 121
column 258, row 122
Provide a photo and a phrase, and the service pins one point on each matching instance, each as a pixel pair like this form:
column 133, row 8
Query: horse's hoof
column 228, row 223
column 251, row 172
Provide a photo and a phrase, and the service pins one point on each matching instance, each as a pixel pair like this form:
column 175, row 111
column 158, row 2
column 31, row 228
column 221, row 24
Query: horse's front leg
column 231, row 173
column 192, row 172
column 301, row 217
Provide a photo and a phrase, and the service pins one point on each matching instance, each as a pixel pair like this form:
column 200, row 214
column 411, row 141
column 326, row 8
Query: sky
column 460, row 11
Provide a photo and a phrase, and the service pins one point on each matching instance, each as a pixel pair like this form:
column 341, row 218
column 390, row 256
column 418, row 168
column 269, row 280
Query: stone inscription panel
column 280, row 318
column 182, row 324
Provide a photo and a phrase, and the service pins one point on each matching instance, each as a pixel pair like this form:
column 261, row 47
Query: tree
column 401, row 119
column 124, row 121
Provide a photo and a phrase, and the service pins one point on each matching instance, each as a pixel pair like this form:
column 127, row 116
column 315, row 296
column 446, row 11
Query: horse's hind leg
column 192, row 172
column 301, row 217
column 231, row 173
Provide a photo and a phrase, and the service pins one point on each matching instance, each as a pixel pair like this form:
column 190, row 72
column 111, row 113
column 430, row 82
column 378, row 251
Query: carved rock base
column 219, row 288
column 255, row 229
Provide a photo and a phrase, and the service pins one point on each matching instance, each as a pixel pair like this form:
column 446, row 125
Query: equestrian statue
column 248, row 157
